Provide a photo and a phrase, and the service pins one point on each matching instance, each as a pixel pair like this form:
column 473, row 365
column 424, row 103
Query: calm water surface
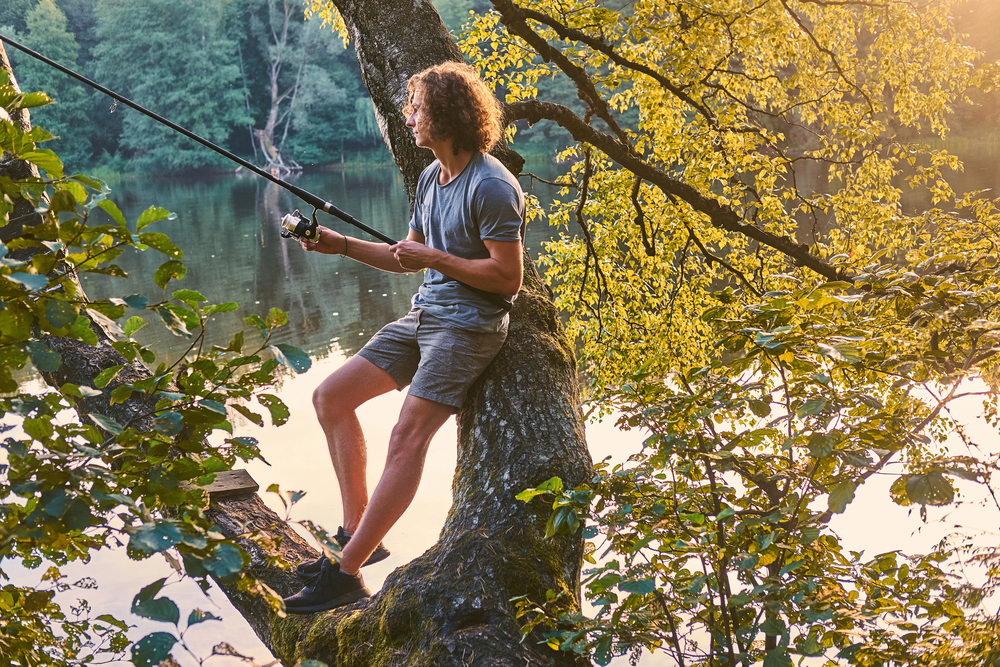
column 227, row 228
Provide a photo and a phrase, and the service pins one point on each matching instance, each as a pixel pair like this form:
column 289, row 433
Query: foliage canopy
column 770, row 273
column 115, row 459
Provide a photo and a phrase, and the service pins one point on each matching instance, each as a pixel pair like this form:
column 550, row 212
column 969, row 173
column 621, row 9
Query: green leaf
column 841, row 496
column 553, row 484
column 104, row 320
column 168, row 423
column 257, row 322
column 813, row 406
column 32, row 281
column 106, row 376
column 43, row 357
column 823, row 444
column 61, row 200
column 174, row 323
column 157, row 609
column 121, row 394
column 292, row 357
column 60, row 314
column 236, row 344
column 44, row 159
column 81, row 331
column 777, row 658
column 161, row 242
column 225, row 562
column 603, row 651
column 199, row 616
column 31, row 100
column 152, row 214
column 277, row 408
column 638, row 586
column 189, row 296
column 135, row 301
column 132, row 325
column 155, row 536
column 168, row 271
column 246, row 412
column 809, row 535
column 112, row 621
column 528, row 494
column 930, row 489
column 70, row 389
column 107, row 423
column 112, row 209
column 276, row 318
column 152, row 649
column 227, row 307
column 15, row 322
column 772, row 625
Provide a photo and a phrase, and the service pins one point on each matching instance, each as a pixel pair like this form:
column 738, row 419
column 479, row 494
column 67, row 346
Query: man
column 466, row 231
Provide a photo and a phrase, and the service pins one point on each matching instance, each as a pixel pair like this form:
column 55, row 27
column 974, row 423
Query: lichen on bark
column 521, row 425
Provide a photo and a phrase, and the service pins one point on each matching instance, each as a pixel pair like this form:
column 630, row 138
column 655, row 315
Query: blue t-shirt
column 484, row 202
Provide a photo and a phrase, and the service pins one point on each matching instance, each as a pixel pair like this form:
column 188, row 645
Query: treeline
column 256, row 78
column 250, row 75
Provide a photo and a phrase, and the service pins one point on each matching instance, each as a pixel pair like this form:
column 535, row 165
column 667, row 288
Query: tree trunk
column 521, row 425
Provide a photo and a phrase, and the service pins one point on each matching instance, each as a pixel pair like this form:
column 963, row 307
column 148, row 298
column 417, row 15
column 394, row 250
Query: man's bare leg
column 418, row 421
column 335, row 400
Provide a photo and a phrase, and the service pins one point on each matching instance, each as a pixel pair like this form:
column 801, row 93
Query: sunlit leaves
column 749, row 458
column 76, row 482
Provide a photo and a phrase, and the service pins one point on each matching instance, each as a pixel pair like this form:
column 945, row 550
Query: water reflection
column 227, row 227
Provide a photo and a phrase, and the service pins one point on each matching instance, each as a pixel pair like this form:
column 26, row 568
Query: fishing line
column 295, row 222
column 305, row 196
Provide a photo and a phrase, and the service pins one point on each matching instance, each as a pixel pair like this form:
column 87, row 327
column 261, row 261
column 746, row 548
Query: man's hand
column 414, row 255
column 329, row 243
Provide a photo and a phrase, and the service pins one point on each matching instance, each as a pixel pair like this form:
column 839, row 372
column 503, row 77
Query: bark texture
column 451, row 606
column 394, row 40
column 521, row 425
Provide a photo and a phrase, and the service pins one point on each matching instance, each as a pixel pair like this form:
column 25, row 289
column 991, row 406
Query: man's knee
column 325, row 399
column 352, row 384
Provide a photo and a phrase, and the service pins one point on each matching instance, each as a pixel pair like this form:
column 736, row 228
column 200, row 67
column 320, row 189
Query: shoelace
column 324, row 567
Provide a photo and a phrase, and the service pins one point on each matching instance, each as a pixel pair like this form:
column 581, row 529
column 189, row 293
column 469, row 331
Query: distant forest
column 257, row 78
column 250, row 75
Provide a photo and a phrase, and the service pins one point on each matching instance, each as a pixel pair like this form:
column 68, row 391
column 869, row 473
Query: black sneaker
column 327, row 589
column 311, row 567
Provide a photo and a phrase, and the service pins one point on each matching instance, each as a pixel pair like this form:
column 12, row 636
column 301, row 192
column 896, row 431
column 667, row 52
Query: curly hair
column 459, row 106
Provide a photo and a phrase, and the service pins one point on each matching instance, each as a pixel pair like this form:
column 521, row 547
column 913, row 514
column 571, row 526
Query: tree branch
column 600, row 45
column 720, row 216
column 514, row 19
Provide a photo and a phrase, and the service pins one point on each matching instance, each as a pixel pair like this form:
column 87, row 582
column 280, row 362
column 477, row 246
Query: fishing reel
column 297, row 226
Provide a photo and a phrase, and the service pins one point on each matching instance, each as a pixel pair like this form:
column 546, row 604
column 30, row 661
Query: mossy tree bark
column 521, row 425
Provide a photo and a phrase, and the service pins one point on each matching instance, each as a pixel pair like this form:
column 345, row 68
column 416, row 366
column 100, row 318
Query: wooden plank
column 229, row 484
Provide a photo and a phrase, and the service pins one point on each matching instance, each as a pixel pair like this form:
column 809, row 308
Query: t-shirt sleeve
column 499, row 210
column 417, row 219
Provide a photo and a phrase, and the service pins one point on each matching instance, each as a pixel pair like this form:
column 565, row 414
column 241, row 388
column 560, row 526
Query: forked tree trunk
column 521, row 425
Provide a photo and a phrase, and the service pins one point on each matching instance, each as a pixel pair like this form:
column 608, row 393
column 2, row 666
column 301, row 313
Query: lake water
column 227, row 227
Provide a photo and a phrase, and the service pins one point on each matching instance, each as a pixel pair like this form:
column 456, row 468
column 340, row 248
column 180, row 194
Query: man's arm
column 378, row 255
column 500, row 273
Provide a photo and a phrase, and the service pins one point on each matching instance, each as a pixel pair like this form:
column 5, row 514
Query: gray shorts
column 437, row 360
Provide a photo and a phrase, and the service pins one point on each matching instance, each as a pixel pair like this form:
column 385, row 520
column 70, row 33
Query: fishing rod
column 293, row 225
